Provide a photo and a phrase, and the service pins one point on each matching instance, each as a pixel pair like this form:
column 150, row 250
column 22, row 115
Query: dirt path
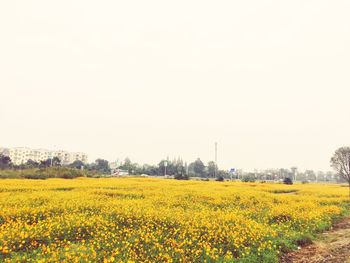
column 331, row 246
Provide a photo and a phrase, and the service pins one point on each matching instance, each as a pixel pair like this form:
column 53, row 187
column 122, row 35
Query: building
column 21, row 155
column 4, row 151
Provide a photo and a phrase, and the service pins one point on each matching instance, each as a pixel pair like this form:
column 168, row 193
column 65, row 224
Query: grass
column 45, row 173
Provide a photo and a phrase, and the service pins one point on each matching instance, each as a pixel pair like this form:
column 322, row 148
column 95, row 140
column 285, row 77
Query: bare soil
column 331, row 246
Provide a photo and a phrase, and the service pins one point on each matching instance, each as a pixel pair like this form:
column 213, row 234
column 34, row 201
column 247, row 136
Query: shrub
column 9, row 174
column 35, row 174
column 67, row 173
column 44, row 173
column 248, row 178
column 220, row 179
column 181, row 177
column 287, row 180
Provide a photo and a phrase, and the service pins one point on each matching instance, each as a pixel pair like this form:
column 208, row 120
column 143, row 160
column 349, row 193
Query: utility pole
column 165, row 165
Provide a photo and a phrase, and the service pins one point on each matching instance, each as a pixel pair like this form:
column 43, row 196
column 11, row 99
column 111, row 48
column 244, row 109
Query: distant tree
column 310, row 175
column 223, row 174
column 190, row 169
column 198, row 168
column 31, row 164
column 5, row 161
column 175, row 167
column 102, row 166
column 250, row 177
column 129, row 166
column 211, row 169
column 321, row 176
column 77, row 164
column 179, row 168
column 56, row 161
column 166, row 167
column 45, row 163
column 329, row 176
column 150, row 169
column 341, row 163
column 180, row 171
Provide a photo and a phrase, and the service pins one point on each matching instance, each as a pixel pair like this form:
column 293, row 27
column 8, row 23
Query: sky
column 267, row 80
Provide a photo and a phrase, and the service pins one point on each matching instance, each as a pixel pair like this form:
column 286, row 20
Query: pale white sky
column 268, row 80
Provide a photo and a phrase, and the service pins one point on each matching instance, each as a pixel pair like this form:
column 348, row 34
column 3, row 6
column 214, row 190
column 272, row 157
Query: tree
column 250, row 177
column 165, row 167
column 212, row 169
column 129, row 166
column 45, row 163
column 180, row 170
column 149, row 169
column 310, row 175
column 321, row 176
column 198, row 168
column 341, row 163
column 222, row 173
column 56, row 161
column 5, row 161
column 77, row 164
column 102, row 166
column 31, row 164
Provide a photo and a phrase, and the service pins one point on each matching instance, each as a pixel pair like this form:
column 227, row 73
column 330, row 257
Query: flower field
column 158, row 220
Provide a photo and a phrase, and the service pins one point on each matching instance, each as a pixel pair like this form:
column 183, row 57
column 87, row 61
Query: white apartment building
column 21, row 155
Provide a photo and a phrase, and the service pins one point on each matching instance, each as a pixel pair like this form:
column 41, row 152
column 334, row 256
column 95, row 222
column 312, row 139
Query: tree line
column 175, row 167
column 340, row 161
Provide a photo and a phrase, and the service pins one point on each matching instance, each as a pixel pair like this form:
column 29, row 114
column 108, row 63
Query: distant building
column 21, row 155
column 4, row 151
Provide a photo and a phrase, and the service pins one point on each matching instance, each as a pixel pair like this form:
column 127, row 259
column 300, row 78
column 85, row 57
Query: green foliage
column 211, row 169
column 101, row 166
column 220, row 179
column 128, row 166
column 197, row 168
column 10, row 174
column 5, row 162
column 77, row 164
column 181, row 177
column 288, row 181
column 45, row 163
column 175, row 167
column 147, row 169
column 31, row 164
column 248, row 178
column 35, row 174
column 44, row 173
